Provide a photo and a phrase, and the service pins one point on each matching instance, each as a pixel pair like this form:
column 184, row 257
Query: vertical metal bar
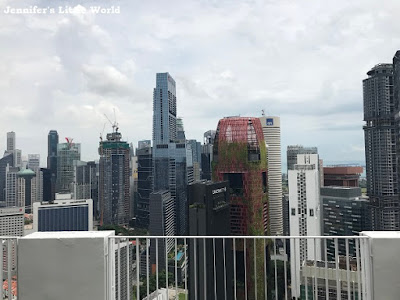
column 195, row 269
column 16, row 264
column 276, row 271
column 166, row 264
column 255, row 269
column 348, row 270
column 285, row 267
column 326, row 269
column 137, row 269
column 358, row 268
column 205, row 268
column 2, row 267
column 265, row 272
column 186, row 266
column 315, row 270
column 295, row 267
column 234, row 268
column 157, row 287
column 176, row 267
column 338, row 287
column 119, row 269
column 305, row 241
column 9, row 268
column 364, row 271
column 223, row 248
column 215, row 271
column 367, row 270
column 245, row 268
column 147, row 267
column 129, row 268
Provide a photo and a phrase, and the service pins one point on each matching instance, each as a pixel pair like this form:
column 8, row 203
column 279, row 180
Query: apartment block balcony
column 99, row 265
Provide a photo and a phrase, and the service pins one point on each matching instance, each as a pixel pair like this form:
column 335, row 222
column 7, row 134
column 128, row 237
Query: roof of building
column 26, row 172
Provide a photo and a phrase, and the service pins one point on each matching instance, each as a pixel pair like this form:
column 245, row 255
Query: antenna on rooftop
column 263, row 113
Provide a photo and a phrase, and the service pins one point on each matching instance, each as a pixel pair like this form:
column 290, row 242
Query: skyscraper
column 240, row 157
column 380, row 147
column 209, row 214
column 52, row 144
column 292, row 152
column 305, row 214
column 10, row 141
column 206, row 155
column 272, row 134
column 27, row 189
column 170, row 156
column 66, row 154
column 145, row 183
column 85, row 184
column 6, row 160
column 34, row 162
column 114, row 173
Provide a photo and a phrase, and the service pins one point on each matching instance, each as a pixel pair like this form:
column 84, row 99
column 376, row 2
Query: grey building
column 7, row 159
column 85, row 184
column 292, row 152
column 10, row 141
column 207, row 155
column 114, row 174
column 344, row 213
column 162, row 223
column 66, row 154
column 52, row 144
column 209, row 214
column 172, row 162
column 144, row 183
column 380, row 147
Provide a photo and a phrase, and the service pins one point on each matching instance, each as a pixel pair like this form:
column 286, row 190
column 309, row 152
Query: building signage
column 270, row 122
column 217, row 191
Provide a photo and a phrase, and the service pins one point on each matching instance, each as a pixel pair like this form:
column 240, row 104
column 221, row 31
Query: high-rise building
column 240, row 157
column 47, row 191
column 145, row 183
column 272, row 134
column 63, row 215
column 6, row 160
column 85, row 184
column 52, row 145
column 11, row 188
column 345, row 213
column 17, row 158
column 34, row 162
column 66, row 154
column 206, row 155
column 114, row 177
column 342, row 175
column 396, row 100
column 27, row 189
column 10, row 141
column 209, row 214
column 162, row 223
column 380, row 147
column 172, row 161
column 196, row 149
column 292, row 152
column 12, row 221
column 305, row 214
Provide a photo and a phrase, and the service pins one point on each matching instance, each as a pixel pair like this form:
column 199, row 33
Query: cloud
column 303, row 61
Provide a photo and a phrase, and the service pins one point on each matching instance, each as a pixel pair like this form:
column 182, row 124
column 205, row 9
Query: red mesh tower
column 240, row 157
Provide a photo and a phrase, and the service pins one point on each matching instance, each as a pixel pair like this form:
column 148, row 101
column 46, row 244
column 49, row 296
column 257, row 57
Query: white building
column 12, row 221
column 34, row 162
column 305, row 214
column 272, row 134
column 63, row 215
column 11, row 191
column 10, row 141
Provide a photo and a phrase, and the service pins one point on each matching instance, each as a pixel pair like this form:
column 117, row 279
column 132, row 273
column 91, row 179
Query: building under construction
column 114, row 180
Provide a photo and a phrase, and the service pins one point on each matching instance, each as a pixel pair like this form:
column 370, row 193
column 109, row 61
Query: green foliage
column 120, row 230
column 28, row 221
column 162, row 279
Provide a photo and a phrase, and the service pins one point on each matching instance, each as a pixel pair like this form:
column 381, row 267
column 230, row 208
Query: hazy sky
column 301, row 60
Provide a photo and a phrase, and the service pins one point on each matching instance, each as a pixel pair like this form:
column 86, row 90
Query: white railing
column 217, row 267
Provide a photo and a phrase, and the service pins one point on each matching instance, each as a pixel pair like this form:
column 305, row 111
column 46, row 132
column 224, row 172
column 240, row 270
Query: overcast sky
column 302, row 60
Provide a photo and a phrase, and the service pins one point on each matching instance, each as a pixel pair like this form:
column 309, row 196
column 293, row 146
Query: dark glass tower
column 170, row 155
column 52, row 143
column 114, row 173
column 380, row 147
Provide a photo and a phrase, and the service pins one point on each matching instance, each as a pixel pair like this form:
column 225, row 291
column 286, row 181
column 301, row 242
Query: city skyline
column 327, row 57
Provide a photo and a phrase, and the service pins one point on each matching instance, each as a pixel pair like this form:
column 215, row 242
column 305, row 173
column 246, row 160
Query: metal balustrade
column 240, row 267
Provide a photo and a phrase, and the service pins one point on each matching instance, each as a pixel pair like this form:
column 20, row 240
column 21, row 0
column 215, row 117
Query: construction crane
column 113, row 125
column 101, row 133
